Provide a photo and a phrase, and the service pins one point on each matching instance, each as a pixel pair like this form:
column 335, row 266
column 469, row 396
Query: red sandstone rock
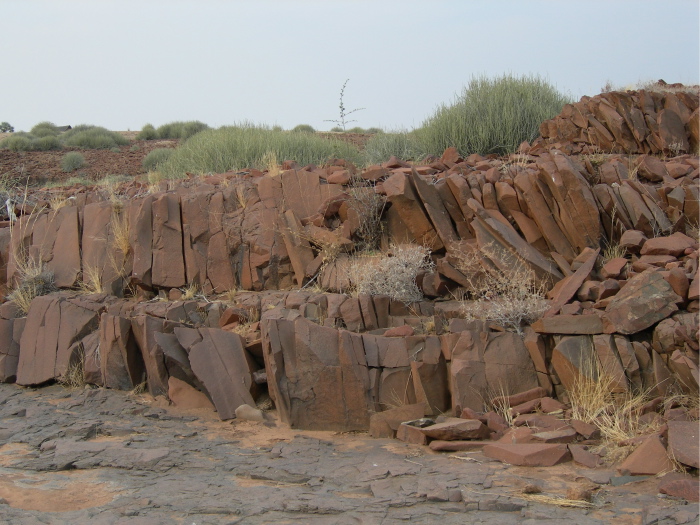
column 674, row 244
column 650, row 458
column 455, row 428
column 682, row 486
column 644, row 300
column 683, row 442
column 528, row 454
column 185, row 396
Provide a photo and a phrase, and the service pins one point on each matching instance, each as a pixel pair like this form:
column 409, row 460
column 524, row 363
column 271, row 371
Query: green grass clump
column 403, row 144
column 156, row 157
column 92, row 137
column 180, row 130
column 356, row 129
column 148, row 132
column 72, row 161
column 44, row 129
column 304, row 128
column 249, row 146
column 492, row 116
column 17, row 142
column 46, row 143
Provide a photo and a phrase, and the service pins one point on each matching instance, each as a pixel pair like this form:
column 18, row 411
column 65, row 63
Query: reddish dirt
column 41, row 167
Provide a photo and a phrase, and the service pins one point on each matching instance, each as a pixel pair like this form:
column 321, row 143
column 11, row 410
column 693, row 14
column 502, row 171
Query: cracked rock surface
column 108, row 457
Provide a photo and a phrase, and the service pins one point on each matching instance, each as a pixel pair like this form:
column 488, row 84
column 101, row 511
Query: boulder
column 650, row 459
column 455, row 428
column 683, row 442
column 644, row 300
column 224, row 368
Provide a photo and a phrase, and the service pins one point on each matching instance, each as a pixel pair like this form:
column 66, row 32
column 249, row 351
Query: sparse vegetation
column 393, row 273
column 342, row 118
column 72, row 161
column 492, row 116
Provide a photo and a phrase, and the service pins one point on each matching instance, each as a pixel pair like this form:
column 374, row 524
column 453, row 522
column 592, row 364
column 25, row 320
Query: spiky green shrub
column 180, row 130
column 251, row 146
column 72, row 161
column 44, row 129
column 304, row 128
column 148, row 132
column 93, row 137
column 403, row 144
column 155, row 158
column 492, row 115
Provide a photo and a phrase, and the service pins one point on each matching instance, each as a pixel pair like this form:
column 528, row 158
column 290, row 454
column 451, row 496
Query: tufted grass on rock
column 92, row 137
column 156, row 157
column 250, row 146
column 492, row 116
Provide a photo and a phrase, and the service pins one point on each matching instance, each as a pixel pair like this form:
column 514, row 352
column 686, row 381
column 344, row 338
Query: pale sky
column 122, row 64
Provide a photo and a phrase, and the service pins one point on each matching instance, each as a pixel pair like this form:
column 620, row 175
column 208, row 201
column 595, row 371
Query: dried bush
column 393, row 273
column 369, row 207
column 509, row 298
column 35, row 280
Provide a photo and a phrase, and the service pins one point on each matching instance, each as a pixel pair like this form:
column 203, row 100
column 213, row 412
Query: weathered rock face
column 487, row 364
column 318, row 377
column 54, row 324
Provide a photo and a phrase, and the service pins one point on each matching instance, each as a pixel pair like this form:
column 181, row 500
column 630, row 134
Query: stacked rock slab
column 327, row 359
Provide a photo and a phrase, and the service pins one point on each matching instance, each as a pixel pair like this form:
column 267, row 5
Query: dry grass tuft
column 393, row 273
column 369, row 207
column 617, row 414
column 35, row 280
column 91, row 283
column 75, row 375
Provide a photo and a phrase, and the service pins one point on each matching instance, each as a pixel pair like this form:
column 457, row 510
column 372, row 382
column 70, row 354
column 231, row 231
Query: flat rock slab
column 457, row 428
column 683, row 442
column 528, row 454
